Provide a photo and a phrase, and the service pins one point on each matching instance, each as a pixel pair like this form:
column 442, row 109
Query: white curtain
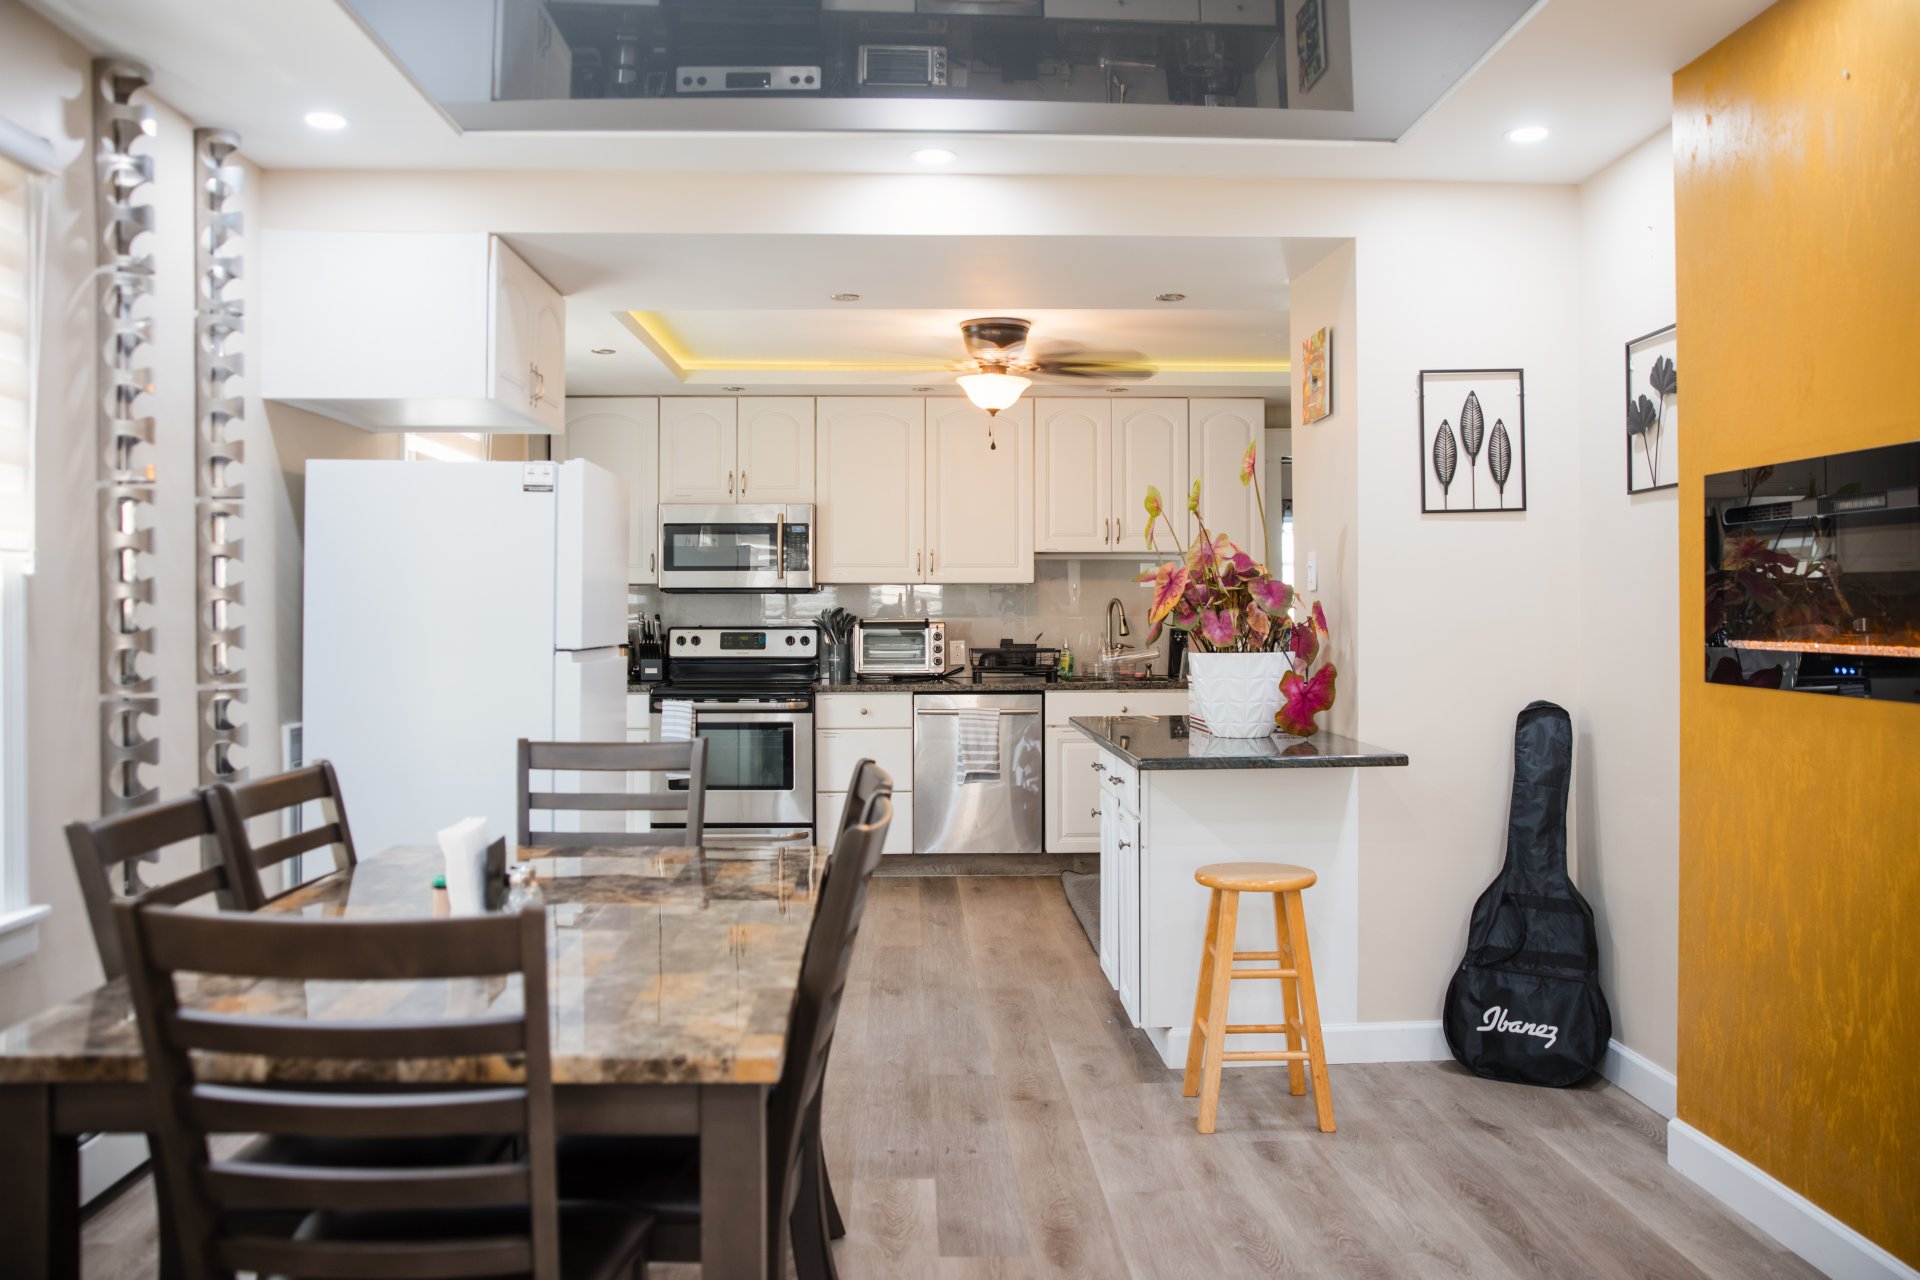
column 21, row 200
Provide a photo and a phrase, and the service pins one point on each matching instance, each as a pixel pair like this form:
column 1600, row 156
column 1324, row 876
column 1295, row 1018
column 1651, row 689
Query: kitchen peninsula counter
column 1172, row 800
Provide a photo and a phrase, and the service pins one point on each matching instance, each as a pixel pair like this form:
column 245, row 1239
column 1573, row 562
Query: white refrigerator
column 451, row 610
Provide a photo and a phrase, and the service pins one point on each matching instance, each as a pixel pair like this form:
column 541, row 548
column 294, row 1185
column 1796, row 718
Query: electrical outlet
column 1313, row 571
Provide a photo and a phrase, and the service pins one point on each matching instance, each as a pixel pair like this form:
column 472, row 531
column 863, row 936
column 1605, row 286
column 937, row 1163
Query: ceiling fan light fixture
column 1169, row 297
column 601, row 351
column 934, row 155
column 993, row 391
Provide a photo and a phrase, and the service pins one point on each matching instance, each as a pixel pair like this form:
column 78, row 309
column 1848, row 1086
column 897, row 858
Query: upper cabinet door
column 979, row 493
column 510, row 352
column 1149, row 449
column 1218, row 433
column 1072, row 453
column 622, row 434
column 870, row 487
column 776, row 449
column 549, row 391
column 697, row 457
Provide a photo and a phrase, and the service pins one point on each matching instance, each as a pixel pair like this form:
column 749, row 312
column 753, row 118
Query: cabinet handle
column 916, row 564
column 1106, row 532
column 863, row 711
column 1125, row 845
column 930, row 554
column 729, row 484
column 1116, row 531
column 650, row 568
column 743, row 484
column 1098, row 767
column 1115, row 779
column 1124, row 710
column 1093, row 813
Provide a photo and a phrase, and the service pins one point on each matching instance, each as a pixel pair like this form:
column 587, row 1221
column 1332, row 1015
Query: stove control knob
column 696, row 639
column 789, row 639
column 679, row 639
column 806, row 642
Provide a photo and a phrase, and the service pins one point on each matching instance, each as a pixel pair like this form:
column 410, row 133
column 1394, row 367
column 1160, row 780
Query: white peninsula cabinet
column 1093, row 462
column 716, row 449
column 1072, row 778
column 908, row 491
column 343, row 334
column 622, row 434
column 1218, row 433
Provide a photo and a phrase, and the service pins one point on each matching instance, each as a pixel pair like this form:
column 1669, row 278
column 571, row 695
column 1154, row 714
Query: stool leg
column 1196, row 1041
column 1310, row 1013
column 1217, row 1008
column 1289, row 995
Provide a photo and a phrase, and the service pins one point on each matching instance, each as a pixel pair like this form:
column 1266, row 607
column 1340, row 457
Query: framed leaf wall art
column 1653, row 412
column 1473, row 440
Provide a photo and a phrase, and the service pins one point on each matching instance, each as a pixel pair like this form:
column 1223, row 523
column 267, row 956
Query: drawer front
column 864, row 711
column 826, row 820
column 1121, row 780
column 837, row 751
column 1062, row 707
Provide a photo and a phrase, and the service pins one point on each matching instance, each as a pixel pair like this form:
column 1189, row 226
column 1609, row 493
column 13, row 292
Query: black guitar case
column 1525, row 1004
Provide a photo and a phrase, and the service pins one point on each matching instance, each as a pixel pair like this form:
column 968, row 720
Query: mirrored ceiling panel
column 1332, row 70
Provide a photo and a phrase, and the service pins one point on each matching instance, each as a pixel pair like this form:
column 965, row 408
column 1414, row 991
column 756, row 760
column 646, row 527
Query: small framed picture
column 1653, row 412
column 1316, row 376
column 1310, row 41
column 1473, row 440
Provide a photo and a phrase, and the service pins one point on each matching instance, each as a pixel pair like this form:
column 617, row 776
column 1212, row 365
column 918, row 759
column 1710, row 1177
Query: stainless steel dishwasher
column 1001, row 814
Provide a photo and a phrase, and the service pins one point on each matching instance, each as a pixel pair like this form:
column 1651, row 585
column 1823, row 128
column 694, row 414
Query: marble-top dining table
column 672, row 975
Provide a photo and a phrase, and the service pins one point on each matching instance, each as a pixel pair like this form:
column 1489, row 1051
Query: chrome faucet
column 1113, row 640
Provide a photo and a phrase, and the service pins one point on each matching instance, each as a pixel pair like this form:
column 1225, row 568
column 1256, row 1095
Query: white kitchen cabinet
column 849, row 728
column 1239, row 13
column 1149, row 449
column 826, row 820
column 411, row 331
column 622, row 434
column 1093, row 463
column 1124, row 10
column 1120, row 864
column 1073, row 464
column 1073, row 785
column 870, row 487
column 775, row 449
column 699, row 451
column 979, row 493
column 1218, row 433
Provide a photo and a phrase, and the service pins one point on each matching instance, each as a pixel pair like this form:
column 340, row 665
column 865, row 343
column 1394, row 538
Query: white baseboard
column 1345, row 1041
column 105, row 1159
column 1789, row 1217
column 1640, row 1077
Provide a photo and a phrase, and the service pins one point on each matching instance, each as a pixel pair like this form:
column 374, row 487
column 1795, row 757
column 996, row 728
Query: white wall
column 44, row 87
column 1627, row 747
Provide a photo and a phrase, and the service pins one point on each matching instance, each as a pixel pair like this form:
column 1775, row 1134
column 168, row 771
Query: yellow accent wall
column 1797, row 222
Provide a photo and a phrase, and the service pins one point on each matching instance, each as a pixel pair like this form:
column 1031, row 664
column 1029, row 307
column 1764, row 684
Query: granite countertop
column 1166, row 742
column 668, row 966
column 954, row 684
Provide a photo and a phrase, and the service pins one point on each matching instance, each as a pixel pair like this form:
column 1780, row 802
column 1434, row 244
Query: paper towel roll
column 464, row 845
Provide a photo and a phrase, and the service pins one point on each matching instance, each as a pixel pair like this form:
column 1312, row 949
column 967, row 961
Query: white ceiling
column 1595, row 71
column 756, row 310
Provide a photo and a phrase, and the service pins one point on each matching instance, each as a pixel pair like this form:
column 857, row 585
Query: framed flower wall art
column 1653, row 412
column 1473, row 440
column 1316, row 376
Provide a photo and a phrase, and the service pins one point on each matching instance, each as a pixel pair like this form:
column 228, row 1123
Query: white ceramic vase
column 1236, row 694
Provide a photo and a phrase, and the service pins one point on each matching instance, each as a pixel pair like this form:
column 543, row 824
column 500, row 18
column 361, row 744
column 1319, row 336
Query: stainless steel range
column 752, row 694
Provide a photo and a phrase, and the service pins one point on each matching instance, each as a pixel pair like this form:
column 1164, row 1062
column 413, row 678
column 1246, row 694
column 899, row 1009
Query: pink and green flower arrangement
column 1229, row 603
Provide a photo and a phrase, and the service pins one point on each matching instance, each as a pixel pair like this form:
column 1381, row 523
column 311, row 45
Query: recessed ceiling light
column 1528, row 133
column 1169, row 297
column 846, row 297
column 602, row 351
column 935, row 155
column 1116, row 391
column 325, row 120
column 733, row 388
column 919, row 388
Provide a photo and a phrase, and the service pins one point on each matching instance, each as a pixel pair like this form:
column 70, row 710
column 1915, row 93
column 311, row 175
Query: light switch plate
column 1313, row 571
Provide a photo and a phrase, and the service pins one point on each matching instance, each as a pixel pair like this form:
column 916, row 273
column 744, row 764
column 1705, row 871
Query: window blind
column 19, row 292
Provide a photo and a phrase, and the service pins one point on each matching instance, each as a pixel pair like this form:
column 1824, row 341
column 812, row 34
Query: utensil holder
column 840, row 664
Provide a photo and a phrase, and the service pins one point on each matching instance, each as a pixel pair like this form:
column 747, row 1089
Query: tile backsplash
column 1065, row 605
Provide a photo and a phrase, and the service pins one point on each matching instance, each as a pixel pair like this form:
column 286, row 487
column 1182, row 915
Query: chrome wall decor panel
column 125, row 224
column 219, row 496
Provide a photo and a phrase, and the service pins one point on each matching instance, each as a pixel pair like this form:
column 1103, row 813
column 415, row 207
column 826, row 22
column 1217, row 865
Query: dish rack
column 1016, row 662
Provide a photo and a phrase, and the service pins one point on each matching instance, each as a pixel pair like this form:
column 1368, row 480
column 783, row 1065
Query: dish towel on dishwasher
column 979, row 754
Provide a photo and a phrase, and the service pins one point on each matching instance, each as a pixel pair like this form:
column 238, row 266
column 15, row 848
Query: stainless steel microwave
column 736, row 547
column 899, row 647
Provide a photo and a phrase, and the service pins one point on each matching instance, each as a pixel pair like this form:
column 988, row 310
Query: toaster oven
column 899, row 647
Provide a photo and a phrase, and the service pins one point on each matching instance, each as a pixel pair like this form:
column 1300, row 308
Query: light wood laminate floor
column 991, row 1114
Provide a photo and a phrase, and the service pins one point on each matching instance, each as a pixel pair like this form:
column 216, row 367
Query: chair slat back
column 626, row 758
column 236, row 804
column 865, row 784
column 823, row 971
column 103, row 847
column 219, row 1203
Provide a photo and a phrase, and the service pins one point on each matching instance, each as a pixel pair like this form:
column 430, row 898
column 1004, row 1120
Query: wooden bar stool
column 1206, row 1046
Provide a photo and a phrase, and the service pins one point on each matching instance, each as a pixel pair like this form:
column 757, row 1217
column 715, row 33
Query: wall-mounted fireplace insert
column 1813, row 575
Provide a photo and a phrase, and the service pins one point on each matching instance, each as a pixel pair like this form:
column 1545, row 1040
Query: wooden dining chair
column 113, row 845
column 687, row 798
column 382, row 1221
column 237, row 804
column 662, row 1175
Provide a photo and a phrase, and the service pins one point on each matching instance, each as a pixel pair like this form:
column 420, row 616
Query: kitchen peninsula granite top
column 1168, row 742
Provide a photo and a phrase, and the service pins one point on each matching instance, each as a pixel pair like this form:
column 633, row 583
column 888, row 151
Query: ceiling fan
column 1004, row 362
